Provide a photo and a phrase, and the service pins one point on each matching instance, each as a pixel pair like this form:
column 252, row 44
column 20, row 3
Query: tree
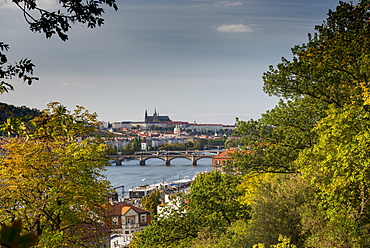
column 176, row 227
column 235, row 236
column 151, row 202
column 134, row 146
column 273, row 143
column 276, row 203
column 50, row 22
column 334, row 62
column 210, row 208
column 51, row 177
column 338, row 166
column 11, row 111
column 215, row 197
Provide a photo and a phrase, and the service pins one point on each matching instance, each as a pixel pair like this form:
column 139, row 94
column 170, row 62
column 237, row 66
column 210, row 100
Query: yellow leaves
column 250, row 185
column 310, row 55
column 365, row 93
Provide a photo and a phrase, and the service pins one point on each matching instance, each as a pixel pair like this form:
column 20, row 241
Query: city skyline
column 192, row 60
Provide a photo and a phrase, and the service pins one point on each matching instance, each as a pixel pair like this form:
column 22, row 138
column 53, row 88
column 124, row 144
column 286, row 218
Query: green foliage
column 273, row 143
column 212, row 206
column 284, row 243
column 134, row 146
column 196, row 145
column 214, row 196
column 217, row 142
column 151, row 202
column 173, row 147
column 338, row 165
column 276, row 210
column 11, row 111
column 52, row 178
column 176, row 229
column 232, row 142
column 332, row 64
column 111, row 150
column 235, row 236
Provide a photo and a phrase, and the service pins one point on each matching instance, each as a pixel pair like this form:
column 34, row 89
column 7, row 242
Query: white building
column 124, row 220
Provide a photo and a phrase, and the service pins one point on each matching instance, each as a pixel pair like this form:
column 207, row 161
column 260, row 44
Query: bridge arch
column 168, row 162
column 143, row 160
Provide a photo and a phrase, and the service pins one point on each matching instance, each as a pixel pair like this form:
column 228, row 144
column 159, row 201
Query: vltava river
column 131, row 174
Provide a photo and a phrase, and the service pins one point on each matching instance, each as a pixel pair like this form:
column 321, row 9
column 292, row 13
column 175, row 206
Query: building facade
column 124, row 220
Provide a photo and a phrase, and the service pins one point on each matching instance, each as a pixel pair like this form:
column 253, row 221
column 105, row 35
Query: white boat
column 167, row 187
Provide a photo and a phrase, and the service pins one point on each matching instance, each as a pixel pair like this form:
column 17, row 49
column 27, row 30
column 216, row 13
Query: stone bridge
column 165, row 156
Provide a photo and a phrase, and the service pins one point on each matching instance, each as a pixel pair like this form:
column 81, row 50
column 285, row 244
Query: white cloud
column 201, row 5
column 219, row 4
column 48, row 4
column 235, row 28
column 235, row 4
column 231, row 4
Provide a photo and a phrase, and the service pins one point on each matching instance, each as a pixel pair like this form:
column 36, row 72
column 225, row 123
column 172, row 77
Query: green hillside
column 11, row 111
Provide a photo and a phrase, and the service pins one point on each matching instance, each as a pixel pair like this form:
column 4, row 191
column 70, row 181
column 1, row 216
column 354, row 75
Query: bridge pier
column 193, row 160
column 118, row 162
column 166, row 161
column 142, row 162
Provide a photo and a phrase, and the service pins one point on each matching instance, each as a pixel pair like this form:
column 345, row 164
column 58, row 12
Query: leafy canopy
column 51, row 175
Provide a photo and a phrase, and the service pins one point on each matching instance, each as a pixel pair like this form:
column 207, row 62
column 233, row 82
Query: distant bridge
column 166, row 156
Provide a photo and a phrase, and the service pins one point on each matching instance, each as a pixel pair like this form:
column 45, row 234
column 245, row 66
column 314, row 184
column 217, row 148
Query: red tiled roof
column 121, row 208
column 205, row 124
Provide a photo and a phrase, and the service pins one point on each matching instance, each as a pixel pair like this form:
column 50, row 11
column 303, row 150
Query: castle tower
column 177, row 131
column 155, row 116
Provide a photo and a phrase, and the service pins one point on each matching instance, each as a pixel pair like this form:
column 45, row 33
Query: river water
column 131, row 174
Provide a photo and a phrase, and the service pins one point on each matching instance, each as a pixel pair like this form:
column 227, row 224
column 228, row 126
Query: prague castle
column 164, row 122
column 156, row 118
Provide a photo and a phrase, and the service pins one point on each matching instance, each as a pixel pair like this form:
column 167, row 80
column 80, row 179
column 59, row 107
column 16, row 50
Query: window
column 143, row 218
column 115, row 221
column 130, row 220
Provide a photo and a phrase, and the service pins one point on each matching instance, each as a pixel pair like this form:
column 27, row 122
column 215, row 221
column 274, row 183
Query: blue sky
column 191, row 60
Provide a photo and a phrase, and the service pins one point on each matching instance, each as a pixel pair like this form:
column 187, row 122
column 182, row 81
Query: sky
column 193, row 60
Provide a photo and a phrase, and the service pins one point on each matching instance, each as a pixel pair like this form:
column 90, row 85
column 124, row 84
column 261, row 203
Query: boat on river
column 166, row 187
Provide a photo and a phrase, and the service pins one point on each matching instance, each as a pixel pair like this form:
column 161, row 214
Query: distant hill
column 11, row 111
